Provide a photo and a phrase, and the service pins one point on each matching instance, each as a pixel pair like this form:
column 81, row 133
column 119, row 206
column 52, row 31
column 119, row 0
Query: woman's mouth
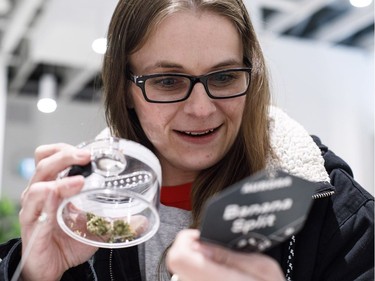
column 199, row 133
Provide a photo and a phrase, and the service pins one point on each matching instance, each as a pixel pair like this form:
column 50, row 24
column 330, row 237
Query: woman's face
column 196, row 133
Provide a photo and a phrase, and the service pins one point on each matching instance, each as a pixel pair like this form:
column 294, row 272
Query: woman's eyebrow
column 165, row 64
column 229, row 62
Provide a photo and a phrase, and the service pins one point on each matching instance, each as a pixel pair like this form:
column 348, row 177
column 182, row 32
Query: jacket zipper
column 324, row 194
column 292, row 242
column 110, row 265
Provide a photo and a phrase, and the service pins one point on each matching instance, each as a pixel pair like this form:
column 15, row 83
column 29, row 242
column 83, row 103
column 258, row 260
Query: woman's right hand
column 47, row 251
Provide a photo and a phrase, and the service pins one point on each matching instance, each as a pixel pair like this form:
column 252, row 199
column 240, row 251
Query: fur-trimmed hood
column 295, row 151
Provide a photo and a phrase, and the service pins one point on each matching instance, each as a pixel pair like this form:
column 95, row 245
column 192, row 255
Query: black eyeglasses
column 175, row 87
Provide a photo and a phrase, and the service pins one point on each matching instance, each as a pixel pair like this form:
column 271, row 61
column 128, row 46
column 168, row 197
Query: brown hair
column 131, row 24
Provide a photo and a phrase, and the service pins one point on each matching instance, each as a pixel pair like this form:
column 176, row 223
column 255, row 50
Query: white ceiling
column 38, row 36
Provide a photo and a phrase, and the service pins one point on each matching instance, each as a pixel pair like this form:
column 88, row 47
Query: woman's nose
column 199, row 103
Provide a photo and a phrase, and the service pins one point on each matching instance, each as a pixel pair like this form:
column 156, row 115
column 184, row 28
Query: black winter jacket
column 336, row 243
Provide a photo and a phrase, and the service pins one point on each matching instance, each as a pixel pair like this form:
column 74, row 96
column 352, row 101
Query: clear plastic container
column 118, row 205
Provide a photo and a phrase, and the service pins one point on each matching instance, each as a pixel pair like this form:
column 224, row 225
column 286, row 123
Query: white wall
column 26, row 128
column 330, row 91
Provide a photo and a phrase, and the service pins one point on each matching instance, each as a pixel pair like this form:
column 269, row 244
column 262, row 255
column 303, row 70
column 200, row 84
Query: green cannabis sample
column 115, row 231
column 97, row 225
column 122, row 230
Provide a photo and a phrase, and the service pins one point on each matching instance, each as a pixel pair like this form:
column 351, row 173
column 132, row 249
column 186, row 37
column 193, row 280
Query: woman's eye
column 223, row 78
column 168, row 83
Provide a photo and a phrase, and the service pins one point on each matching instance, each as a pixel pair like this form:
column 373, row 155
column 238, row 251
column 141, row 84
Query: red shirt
column 177, row 196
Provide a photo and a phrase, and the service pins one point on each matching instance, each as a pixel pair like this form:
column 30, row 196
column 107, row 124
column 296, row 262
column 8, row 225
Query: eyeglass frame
column 140, row 81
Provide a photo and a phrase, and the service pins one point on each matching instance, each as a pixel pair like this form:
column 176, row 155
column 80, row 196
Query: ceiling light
column 47, row 93
column 47, row 105
column 99, row 45
column 360, row 3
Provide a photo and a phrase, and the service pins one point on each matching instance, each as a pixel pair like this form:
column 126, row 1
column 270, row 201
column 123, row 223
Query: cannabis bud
column 114, row 231
column 97, row 225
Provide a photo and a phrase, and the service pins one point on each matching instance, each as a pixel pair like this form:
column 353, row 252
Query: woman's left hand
column 193, row 260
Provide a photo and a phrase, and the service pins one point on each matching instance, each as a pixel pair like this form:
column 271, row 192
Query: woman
column 188, row 80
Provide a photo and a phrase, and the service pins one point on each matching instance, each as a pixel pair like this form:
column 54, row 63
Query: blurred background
column 320, row 54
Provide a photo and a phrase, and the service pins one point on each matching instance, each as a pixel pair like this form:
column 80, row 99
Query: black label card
column 258, row 212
